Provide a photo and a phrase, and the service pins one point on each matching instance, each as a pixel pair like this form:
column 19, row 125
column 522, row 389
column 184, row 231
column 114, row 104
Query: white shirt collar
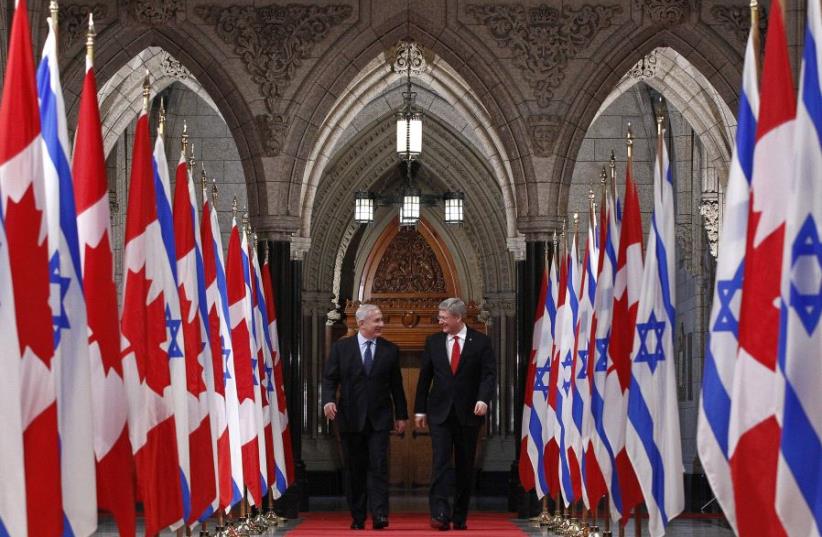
column 461, row 334
column 361, row 340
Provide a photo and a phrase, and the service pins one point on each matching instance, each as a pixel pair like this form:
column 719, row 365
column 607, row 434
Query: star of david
column 657, row 327
column 173, row 325
column 583, row 367
column 725, row 291
column 568, row 362
column 268, row 374
column 602, row 354
column 226, row 353
column 808, row 306
column 539, row 378
column 254, row 370
column 566, row 385
column 59, row 321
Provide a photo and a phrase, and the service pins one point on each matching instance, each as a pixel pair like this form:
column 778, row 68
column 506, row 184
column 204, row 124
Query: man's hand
column 330, row 410
column 399, row 426
column 420, row 422
column 480, row 409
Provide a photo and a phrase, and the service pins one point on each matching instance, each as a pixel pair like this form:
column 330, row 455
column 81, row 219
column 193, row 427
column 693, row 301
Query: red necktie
column 455, row 355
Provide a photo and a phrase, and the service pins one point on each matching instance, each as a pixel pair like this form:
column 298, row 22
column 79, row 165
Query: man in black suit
column 456, row 384
column 366, row 367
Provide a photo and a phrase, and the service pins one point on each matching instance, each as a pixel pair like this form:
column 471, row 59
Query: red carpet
column 405, row 524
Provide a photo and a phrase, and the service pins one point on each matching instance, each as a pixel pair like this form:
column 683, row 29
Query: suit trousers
column 366, row 454
column 446, row 438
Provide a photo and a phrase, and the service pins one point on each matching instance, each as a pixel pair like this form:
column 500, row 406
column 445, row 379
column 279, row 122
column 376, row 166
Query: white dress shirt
column 362, row 340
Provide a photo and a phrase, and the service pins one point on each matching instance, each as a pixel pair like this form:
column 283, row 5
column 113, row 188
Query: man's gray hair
column 365, row 310
column 454, row 306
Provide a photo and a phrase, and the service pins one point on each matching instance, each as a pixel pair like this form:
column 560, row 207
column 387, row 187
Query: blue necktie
column 368, row 358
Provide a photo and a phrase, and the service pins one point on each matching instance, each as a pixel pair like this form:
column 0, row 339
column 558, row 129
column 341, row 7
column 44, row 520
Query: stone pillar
column 529, row 276
column 286, row 277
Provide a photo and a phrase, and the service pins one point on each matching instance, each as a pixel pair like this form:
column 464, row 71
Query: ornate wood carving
column 409, row 265
column 73, row 20
column 273, row 41
column 543, row 38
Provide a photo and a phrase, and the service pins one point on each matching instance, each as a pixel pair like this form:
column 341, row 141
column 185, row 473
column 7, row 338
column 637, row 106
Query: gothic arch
column 488, row 105
column 713, row 71
column 118, row 44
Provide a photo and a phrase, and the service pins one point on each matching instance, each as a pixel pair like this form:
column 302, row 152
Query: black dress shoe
column 380, row 522
column 459, row 526
column 357, row 525
column 440, row 524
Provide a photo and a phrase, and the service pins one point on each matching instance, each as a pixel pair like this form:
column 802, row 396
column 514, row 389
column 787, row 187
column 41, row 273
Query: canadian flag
column 199, row 377
column 112, row 448
column 226, row 411
column 241, row 322
column 23, row 206
column 149, row 343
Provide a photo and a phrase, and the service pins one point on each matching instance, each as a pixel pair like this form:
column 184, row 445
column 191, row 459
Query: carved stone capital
column 543, row 38
column 273, row 41
column 299, row 247
column 155, row 12
column 73, row 20
column 516, row 245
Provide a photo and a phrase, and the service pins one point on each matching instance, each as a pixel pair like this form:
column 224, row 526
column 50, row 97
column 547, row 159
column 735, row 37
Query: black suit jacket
column 364, row 396
column 439, row 389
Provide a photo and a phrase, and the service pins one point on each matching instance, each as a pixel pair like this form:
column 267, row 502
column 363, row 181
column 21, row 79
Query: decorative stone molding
column 544, row 130
column 273, row 41
column 709, row 209
column 408, row 55
column 73, row 20
column 299, row 246
column 172, row 67
column 736, row 20
column 645, row 68
column 667, row 12
column 543, row 38
column 516, row 245
column 155, row 12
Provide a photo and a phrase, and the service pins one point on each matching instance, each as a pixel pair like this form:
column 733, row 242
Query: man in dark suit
column 456, row 384
column 366, row 368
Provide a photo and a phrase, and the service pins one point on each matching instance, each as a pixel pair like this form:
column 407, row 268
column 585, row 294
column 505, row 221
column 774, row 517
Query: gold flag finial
column 146, row 91
column 90, row 35
column 214, row 192
column 629, row 141
column 54, row 10
column 203, row 181
column 184, row 139
column 191, row 160
column 234, row 207
column 161, row 124
column 659, row 117
column 603, row 176
column 265, row 252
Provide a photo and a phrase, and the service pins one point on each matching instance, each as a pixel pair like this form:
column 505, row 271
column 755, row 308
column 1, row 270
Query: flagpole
column 54, row 10
column 755, row 37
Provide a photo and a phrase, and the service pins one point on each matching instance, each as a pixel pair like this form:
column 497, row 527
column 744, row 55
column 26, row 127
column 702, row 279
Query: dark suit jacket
column 474, row 381
column 364, row 396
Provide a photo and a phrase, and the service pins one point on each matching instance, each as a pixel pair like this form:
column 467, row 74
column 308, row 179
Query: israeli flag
column 68, row 306
column 798, row 491
column 652, row 437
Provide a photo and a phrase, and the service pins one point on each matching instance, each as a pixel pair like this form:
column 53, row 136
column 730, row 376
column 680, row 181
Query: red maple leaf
column 101, row 303
column 144, row 327
column 193, row 344
column 28, row 256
